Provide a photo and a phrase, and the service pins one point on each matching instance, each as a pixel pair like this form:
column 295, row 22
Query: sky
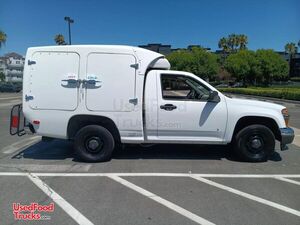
column 267, row 23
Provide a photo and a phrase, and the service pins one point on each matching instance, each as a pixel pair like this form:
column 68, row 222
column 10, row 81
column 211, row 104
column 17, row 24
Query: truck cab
column 102, row 96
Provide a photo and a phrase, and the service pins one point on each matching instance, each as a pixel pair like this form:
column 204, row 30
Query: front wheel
column 94, row 143
column 254, row 143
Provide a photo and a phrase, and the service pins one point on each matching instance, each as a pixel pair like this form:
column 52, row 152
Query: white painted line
column 20, row 145
column 288, row 180
column 58, row 174
column 168, row 175
column 67, row 207
column 53, row 168
column 249, row 196
column 161, row 201
column 13, row 174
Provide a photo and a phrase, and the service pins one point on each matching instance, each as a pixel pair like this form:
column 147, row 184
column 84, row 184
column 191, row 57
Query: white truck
column 101, row 96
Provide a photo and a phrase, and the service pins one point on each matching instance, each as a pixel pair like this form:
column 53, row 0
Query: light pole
column 69, row 20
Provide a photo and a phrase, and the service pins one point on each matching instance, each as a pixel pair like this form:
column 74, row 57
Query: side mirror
column 213, row 96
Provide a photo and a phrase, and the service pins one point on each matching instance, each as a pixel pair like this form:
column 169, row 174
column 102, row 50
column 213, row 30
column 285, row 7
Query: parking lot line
column 70, row 174
column 67, row 207
column 288, row 180
column 246, row 195
column 161, row 201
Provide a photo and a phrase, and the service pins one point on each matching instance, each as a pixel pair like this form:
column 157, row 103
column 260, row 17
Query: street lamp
column 69, row 20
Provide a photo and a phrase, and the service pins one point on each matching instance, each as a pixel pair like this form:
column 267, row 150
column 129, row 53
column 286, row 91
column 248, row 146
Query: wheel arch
column 79, row 121
column 261, row 120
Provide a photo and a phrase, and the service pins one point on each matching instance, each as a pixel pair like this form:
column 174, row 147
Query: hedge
column 282, row 93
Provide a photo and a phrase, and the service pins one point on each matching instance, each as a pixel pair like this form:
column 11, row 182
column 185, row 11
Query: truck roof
column 105, row 48
column 146, row 57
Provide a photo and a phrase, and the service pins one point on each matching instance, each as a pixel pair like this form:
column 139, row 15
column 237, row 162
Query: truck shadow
column 61, row 150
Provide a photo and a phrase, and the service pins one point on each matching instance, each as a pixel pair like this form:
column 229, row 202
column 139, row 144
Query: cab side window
column 183, row 88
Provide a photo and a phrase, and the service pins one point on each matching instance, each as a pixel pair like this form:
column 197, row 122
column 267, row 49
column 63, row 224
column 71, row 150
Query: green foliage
column 260, row 67
column 272, row 66
column 3, row 38
column 2, row 76
column 283, row 93
column 197, row 61
column 243, row 65
column 59, row 39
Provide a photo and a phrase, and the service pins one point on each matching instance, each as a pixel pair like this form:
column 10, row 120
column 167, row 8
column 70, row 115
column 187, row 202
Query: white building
column 12, row 64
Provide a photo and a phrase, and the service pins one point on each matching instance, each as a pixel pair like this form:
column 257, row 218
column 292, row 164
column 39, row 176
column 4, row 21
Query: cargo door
column 110, row 82
column 53, row 81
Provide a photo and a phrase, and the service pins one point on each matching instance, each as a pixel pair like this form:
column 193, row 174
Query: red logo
column 34, row 211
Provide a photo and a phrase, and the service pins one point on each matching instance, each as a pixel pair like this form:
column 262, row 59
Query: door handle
column 168, row 107
column 92, row 83
column 70, row 83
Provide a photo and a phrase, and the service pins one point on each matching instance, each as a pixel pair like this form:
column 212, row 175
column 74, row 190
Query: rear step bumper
column 17, row 121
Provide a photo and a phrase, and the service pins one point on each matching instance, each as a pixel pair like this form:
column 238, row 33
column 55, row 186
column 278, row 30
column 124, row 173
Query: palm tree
column 243, row 40
column 59, row 39
column 291, row 49
column 3, row 38
column 223, row 44
column 233, row 41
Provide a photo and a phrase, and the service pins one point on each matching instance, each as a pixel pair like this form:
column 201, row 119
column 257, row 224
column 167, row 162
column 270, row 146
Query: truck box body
column 63, row 81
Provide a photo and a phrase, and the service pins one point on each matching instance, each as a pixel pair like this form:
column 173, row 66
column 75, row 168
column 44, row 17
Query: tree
column 291, row 49
column 2, row 76
column 272, row 66
column 233, row 42
column 198, row 61
column 223, row 44
column 59, row 39
column 243, row 65
column 243, row 41
column 3, row 38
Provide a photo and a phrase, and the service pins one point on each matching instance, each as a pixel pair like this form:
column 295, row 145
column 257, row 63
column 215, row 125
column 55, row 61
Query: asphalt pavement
column 161, row 184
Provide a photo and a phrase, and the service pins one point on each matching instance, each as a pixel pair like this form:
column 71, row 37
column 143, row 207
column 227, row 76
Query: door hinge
column 31, row 62
column 133, row 101
column 135, row 66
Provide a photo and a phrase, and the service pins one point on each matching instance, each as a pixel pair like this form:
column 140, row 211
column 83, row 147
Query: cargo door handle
column 70, row 83
column 168, row 107
column 91, row 83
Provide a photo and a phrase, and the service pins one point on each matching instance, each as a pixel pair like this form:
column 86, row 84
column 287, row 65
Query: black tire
column 254, row 143
column 94, row 143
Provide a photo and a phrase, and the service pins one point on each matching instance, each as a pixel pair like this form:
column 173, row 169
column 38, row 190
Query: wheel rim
column 255, row 144
column 94, row 144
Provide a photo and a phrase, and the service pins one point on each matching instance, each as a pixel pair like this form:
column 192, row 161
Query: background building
column 12, row 65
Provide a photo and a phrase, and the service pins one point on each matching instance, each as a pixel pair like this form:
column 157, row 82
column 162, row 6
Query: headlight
column 286, row 116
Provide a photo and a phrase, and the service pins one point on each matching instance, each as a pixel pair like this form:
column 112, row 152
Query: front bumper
column 287, row 137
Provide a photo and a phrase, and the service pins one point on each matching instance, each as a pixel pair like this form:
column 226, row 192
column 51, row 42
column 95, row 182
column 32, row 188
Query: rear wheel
column 254, row 143
column 94, row 143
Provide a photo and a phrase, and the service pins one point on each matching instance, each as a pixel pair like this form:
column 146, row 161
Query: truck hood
column 256, row 103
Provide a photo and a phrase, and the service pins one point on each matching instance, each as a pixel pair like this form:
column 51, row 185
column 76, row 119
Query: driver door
column 184, row 112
